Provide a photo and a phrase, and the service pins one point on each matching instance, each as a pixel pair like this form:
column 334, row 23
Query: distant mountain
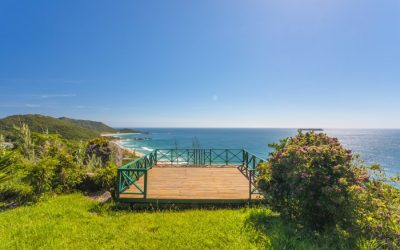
column 99, row 127
column 68, row 128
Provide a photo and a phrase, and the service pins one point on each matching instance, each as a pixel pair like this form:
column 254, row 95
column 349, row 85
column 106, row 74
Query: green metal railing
column 129, row 174
column 200, row 157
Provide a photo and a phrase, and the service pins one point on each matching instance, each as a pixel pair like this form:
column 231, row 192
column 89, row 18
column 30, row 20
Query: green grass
column 75, row 222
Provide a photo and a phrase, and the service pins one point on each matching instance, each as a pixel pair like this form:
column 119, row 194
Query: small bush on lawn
column 313, row 181
column 105, row 177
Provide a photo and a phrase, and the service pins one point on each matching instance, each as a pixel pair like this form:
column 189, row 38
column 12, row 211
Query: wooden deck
column 222, row 184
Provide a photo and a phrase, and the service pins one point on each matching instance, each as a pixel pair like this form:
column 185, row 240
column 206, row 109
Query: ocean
column 381, row 146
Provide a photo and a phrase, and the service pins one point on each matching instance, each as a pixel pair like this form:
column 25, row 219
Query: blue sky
column 283, row 63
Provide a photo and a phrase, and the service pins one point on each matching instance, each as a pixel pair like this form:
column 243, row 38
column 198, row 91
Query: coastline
column 118, row 143
column 115, row 135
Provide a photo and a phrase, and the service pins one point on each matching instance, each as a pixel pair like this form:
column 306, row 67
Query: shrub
column 315, row 182
column 105, row 177
column 40, row 163
column 377, row 209
column 307, row 179
column 16, row 191
column 57, row 162
column 12, row 188
column 67, row 174
column 46, row 163
column 6, row 161
column 40, row 175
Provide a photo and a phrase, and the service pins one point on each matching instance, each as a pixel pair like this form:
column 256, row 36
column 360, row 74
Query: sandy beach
column 118, row 143
column 117, row 134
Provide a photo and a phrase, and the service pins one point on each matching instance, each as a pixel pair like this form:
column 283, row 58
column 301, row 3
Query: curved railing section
column 251, row 170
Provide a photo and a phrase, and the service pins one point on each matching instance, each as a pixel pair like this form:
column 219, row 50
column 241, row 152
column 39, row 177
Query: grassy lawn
column 75, row 222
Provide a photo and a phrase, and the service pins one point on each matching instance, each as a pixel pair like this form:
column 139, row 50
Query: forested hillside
column 66, row 127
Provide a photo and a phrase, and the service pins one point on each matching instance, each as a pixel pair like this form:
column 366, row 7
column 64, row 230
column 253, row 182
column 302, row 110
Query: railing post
column 210, row 157
column 118, row 186
column 145, row 184
column 226, row 156
column 246, row 159
column 243, row 157
column 250, row 176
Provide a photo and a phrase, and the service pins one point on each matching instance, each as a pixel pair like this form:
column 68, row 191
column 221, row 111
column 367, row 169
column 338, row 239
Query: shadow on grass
column 270, row 227
column 283, row 235
column 155, row 207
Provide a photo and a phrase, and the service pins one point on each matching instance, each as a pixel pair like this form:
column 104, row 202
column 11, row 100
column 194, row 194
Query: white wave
column 147, row 149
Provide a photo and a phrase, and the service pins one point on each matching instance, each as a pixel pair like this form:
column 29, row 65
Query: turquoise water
column 374, row 145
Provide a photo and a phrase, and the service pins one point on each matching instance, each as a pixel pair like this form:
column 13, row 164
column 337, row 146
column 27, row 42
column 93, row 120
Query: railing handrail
column 253, row 154
column 199, row 148
column 183, row 149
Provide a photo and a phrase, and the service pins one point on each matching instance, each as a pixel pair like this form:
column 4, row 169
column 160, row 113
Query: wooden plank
column 194, row 183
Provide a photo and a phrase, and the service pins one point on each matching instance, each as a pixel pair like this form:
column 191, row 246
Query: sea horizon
column 177, row 127
column 375, row 146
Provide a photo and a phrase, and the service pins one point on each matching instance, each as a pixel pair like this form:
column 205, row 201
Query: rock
column 101, row 196
column 8, row 206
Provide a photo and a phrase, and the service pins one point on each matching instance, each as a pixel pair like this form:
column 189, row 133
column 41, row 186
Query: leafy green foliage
column 98, row 127
column 42, row 163
column 105, row 177
column 377, row 209
column 46, row 124
column 316, row 183
column 40, row 175
column 6, row 160
column 13, row 187
column 48, row 158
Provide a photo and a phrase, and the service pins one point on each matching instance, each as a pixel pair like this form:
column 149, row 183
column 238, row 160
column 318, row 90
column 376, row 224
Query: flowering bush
column 313, row 181
column 308, row 178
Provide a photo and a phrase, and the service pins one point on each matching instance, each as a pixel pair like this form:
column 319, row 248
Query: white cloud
column 33, row 105
column 44, row 96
